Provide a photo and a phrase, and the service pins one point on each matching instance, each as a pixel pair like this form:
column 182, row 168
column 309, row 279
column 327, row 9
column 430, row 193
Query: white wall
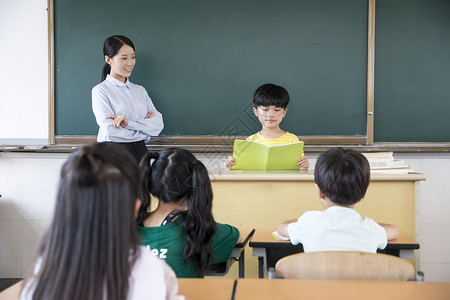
column 28, row 185
column 24, row 76
column 433, row 213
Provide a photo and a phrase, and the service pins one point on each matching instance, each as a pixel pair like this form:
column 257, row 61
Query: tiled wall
column 433, row 213
column 28, row 186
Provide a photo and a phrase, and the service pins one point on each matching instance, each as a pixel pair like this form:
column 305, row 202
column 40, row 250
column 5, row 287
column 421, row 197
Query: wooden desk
column 269, row 250
column 12, row 293
column 238, row 254
column 206, row 288
column 264, row 199
column 287, row 289
column 192, row 288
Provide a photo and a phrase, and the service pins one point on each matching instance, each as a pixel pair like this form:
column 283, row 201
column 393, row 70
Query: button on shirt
column 113, row 97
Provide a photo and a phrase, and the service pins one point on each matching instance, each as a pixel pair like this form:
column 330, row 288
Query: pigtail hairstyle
column 90, row 247
column 146, row 170
column 176, row 175
column 199, row 223
column 111, row 47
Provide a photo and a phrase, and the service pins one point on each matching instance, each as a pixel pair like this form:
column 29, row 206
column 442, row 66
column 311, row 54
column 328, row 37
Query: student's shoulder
column 254, row 137
column 149, row 269
column 308, row 219
column 146, row 258
column 226, row 229
column 225, row 238
column 226, row 232
column 310, row 215
column 292, row 137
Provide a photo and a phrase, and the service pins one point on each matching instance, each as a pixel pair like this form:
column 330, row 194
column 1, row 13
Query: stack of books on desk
column 384, row 162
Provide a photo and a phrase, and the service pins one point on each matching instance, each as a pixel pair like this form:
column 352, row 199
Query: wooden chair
column 344, row 265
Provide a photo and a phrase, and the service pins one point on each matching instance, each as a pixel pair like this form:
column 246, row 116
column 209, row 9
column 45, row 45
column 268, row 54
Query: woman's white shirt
column 112, row 97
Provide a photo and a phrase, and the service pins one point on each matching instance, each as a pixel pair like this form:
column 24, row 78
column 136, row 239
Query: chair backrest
column 345, row 265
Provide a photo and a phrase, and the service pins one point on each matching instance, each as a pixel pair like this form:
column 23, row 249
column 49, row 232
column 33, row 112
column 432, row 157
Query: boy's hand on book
column 229, row 162
column 303, row 163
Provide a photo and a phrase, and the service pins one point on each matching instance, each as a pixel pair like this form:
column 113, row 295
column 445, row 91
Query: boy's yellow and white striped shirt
column 287, row 138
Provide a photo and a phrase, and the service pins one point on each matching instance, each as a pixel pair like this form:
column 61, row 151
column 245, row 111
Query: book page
column 255, row 156
column 279, row 237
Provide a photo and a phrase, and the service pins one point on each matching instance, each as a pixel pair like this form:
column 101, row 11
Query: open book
column 255, row 156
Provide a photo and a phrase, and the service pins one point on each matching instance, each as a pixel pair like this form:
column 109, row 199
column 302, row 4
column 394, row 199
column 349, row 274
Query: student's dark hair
column 91, row 245
column 270, row 94
column 343, row 175
column 175, row 174
column 111, row 46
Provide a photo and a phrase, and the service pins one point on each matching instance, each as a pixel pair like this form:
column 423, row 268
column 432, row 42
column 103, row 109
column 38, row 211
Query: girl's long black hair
column 111, row 47
column 175, row 174
column 91, row 245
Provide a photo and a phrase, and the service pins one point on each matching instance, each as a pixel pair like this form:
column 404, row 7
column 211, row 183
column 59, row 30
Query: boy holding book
column 342, row 177
column 270, row 107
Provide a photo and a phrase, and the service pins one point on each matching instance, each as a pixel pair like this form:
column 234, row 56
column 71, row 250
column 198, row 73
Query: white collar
column 117, row 81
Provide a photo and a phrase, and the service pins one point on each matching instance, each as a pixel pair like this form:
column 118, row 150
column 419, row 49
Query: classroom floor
column 7, row 282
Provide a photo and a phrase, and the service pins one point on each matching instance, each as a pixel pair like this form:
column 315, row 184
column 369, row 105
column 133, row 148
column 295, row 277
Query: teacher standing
column 123, row 110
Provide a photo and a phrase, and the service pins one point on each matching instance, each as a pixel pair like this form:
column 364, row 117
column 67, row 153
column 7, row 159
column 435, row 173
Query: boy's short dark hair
column 270, row 94
column 343, row 175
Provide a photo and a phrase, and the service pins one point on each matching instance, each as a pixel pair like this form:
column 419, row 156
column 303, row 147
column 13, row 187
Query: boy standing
column 341, row 177
column 270, row 106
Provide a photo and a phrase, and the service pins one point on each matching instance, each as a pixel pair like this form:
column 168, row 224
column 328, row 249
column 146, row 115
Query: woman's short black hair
column 270, row 94
column 343, row 175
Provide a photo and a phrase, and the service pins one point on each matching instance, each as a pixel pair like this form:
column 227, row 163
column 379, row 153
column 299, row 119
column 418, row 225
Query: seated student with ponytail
column 182, row 229
column 91, row 248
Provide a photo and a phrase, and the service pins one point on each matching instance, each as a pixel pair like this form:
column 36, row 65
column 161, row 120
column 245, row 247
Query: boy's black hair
column 343, row 175
column 270, row 94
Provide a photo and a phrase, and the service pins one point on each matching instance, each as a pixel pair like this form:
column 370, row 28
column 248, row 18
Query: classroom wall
column 24, row 76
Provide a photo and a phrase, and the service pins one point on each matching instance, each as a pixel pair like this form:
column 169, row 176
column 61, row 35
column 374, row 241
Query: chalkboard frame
column 220, row 143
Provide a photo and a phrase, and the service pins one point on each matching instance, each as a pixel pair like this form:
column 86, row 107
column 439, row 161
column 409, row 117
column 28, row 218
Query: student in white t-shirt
column 342, row 177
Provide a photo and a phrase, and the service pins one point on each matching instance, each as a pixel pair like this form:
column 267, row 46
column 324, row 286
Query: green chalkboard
column 201, row 60
column 412, row 71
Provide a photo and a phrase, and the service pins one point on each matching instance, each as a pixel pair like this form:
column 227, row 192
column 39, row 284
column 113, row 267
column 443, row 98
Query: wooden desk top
column 264, row 236
column 286, row 289
column 295, row 175
column 11, row 293
column 192, row 288
column 206, row 288
column 246, row 235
